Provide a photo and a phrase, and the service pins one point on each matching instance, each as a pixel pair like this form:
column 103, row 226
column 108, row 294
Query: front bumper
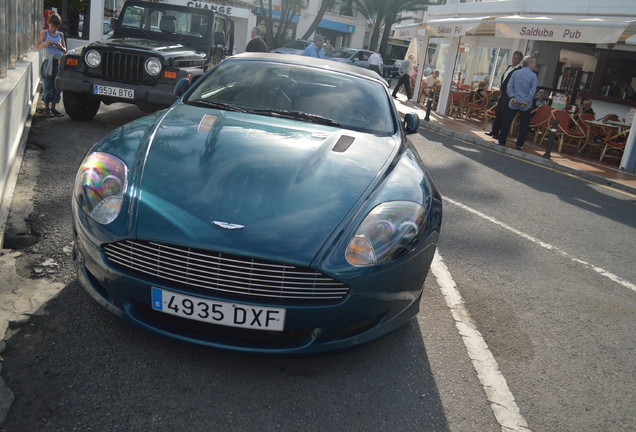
column 160, row 94
column 379, row 303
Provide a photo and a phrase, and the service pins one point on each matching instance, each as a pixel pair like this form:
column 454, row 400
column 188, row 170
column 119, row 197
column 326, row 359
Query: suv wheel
column 79, row 106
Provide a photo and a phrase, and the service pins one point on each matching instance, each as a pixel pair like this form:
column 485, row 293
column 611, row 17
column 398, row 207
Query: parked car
column 152, row 47
column 277, row 207
column 294, row 47
column 392, row 69
column 353, row 56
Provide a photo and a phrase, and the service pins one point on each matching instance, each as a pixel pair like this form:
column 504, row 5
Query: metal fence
column 20, row 24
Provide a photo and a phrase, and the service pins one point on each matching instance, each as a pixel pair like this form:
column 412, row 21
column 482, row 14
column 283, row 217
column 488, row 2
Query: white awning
column 590, row 30
column 454, row 27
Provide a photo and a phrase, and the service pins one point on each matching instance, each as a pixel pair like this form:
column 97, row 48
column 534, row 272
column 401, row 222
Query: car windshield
column 298, row 92
column 174, row 24
column 343, row 53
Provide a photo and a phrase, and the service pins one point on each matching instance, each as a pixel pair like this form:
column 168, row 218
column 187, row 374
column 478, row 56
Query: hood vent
column 343, row 144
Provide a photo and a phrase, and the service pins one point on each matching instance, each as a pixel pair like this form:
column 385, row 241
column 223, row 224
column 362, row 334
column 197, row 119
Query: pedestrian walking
column 51, row 40
column 405, row 77
column 376, row 63
column 521, row 90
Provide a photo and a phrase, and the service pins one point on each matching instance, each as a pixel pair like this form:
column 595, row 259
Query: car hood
column 161, row 47
column 250, row 184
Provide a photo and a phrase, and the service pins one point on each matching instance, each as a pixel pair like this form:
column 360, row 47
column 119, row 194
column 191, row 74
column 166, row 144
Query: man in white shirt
column 405, row 77
column 376, row 63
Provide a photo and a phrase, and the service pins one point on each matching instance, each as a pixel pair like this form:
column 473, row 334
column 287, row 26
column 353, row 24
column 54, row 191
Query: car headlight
column 387, row 233
column 153, row 66
column 93, row 58
column 100, row 185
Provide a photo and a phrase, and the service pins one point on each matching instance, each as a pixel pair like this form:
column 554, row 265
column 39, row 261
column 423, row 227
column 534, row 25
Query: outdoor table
column 610, row 129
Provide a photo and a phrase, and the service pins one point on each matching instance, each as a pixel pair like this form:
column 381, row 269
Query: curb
column 523, row 155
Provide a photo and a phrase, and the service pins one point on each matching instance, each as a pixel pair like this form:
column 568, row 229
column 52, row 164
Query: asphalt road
column 537, row 267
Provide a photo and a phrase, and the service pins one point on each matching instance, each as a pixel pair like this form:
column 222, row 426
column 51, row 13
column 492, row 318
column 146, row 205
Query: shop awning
column 337, row 26
column 590, row 30
column 454, row 27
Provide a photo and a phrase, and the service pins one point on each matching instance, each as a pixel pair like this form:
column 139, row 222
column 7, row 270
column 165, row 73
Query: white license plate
column 218, row 312
column 113, row 91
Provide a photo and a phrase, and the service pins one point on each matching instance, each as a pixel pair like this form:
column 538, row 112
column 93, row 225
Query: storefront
column 578, row 55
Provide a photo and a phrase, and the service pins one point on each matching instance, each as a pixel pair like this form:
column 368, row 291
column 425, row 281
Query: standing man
column 315, row 49
column 521, row 90
column 502, row 104
column 405, row 77
column 376, row 63
column 256, row 44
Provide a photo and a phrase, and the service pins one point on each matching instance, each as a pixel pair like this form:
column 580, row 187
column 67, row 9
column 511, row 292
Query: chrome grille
column 226, row 275
column 123, row 67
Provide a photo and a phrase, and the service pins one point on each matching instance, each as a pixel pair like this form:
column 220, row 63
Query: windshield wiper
column 297, row 115
column 218, row 105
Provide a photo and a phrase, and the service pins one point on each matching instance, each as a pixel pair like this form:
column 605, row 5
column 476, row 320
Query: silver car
column 352, row 56
column 294, row 47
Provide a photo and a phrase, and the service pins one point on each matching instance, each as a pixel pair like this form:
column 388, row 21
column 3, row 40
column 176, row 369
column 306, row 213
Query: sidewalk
column 605, row 173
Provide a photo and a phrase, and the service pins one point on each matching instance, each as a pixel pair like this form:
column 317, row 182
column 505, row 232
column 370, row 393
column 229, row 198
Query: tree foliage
column 289, row 8
column 382, row 14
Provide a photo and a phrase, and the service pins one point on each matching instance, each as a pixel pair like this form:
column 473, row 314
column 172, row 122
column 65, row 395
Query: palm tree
column 384, row 13
column 324, row 5
column 288, row 9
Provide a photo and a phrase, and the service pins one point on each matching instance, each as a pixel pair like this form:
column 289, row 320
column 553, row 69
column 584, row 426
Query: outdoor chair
column 456, row 103
column 490, row 114
column 568, row 132
column 615, row 145
column 477, row 107
column 540, row 120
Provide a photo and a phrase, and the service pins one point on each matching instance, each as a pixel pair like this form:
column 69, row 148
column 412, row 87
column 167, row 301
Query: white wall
column 17, row 95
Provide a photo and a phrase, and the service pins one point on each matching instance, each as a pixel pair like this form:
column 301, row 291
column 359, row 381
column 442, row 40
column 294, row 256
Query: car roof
column 309, row 61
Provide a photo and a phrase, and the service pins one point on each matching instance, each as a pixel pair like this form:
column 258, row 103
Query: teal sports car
column 276, row 207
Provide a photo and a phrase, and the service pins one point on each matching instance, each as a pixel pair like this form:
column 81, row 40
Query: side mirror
column 219, row 38
column 181, row 87
column 411, row 123
column 113, row 23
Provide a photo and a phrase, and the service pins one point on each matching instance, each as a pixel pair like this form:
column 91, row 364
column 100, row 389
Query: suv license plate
column 218, row 312
column 113, row 91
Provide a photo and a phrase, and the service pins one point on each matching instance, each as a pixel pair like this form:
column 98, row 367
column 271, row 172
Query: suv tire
column 79, row 106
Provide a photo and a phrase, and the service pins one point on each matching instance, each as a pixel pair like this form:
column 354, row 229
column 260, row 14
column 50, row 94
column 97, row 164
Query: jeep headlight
column 388, row 232
column 100, row 186
column 153, row 66
column 93, row 58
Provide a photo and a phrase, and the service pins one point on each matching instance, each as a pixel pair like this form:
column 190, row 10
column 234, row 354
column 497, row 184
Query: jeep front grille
column 124, row 67
column 225, row 275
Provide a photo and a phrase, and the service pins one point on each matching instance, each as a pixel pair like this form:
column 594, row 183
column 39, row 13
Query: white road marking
column 501, row 399
column 545, row 245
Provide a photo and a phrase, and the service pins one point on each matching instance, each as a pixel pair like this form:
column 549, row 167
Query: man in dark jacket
column 256, row 44
column 504, row 99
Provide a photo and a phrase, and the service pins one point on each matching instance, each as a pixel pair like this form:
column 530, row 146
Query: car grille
column 124, row 67
column 226, row 275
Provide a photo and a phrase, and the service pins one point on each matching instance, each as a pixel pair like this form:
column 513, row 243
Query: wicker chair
column 540, row 120
column 477, row 107
column 615, row 143
column 456, row 103
column 568, row 132
column 490, row 114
